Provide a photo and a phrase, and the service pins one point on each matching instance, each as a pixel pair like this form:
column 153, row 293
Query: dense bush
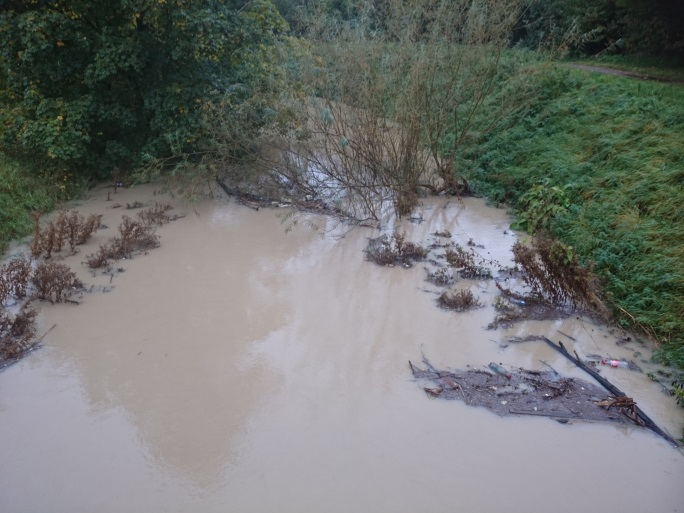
column 90, row 85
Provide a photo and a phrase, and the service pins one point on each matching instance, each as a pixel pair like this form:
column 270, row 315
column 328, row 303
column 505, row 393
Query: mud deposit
column 240, row 368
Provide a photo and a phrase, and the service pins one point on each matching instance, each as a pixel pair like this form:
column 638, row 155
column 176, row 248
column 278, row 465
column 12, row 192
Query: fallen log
column 616, row 392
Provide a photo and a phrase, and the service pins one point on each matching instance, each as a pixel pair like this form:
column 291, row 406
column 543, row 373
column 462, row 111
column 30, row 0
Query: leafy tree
column 590, row 27
column 90, row 85
column 296, row 12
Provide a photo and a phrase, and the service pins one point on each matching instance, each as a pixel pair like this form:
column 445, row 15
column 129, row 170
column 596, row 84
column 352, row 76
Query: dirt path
column 621, row 73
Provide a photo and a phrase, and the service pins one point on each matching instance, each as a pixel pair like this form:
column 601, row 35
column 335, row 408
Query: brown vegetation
column 68, row 227
column 459, row 301
column 442, row 277
column 22, row 281
column 55, row 282
column 134, row 236
column 465, row 265
column 156, row 214
column 14, row 278
column 394, row 250
column 16, row 333
column 554, row 275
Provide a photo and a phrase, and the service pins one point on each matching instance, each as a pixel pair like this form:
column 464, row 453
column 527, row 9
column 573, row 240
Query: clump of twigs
column 14, row 278
column 69, row 227
column 134, row 237
column 134, row 205
column 459, row 301
column 394, row 250
column 55, row 282
column 465, row 265
column 156, row 214
column 554, row 275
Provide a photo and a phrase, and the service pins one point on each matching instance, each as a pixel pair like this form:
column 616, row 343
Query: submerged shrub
column 156, row 214
column 134, row 236
column 68, row 227
column 16, row 332
column 14, row 278
column 55, row 282
column 465, row 265
column 394, row 250
column 459, row 301
column 554, row 275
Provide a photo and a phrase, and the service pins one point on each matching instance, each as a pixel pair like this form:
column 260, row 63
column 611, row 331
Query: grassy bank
column 599, row 161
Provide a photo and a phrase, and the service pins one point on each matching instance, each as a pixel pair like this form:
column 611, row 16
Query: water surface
column 242, row 368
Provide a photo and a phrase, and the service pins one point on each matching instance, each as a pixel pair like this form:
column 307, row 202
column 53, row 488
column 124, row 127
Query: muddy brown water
column 240, row 368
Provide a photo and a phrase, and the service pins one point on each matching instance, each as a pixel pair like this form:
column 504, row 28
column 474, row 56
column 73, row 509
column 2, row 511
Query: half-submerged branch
column 616, row 392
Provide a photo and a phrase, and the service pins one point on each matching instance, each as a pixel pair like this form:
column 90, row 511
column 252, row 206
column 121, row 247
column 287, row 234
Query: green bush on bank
column 604, row 156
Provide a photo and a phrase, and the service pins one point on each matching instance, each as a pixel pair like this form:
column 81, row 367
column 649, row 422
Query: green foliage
column 540, row 205
column 600, row 27
column 92, row 85
column 678, row 391
column 613, row 149
column 20, row 194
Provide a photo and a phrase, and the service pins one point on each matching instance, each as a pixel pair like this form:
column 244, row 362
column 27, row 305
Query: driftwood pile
column 542, row 393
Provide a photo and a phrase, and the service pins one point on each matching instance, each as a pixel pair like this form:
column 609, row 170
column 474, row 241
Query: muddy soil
column 239, row 367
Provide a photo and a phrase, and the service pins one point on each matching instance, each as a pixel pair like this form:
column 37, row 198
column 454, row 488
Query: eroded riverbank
column 241, row 368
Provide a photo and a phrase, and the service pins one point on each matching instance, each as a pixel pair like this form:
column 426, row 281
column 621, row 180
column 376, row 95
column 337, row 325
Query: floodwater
column 242, row 368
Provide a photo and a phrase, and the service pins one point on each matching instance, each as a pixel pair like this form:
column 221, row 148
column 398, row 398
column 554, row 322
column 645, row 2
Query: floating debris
column 525, row 392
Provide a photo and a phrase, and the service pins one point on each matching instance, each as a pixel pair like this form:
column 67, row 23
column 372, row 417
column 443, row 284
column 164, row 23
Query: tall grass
column 616, row 147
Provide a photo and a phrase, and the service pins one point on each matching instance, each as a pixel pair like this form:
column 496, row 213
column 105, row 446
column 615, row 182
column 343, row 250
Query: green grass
column 616, row 147
column 20, row 194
